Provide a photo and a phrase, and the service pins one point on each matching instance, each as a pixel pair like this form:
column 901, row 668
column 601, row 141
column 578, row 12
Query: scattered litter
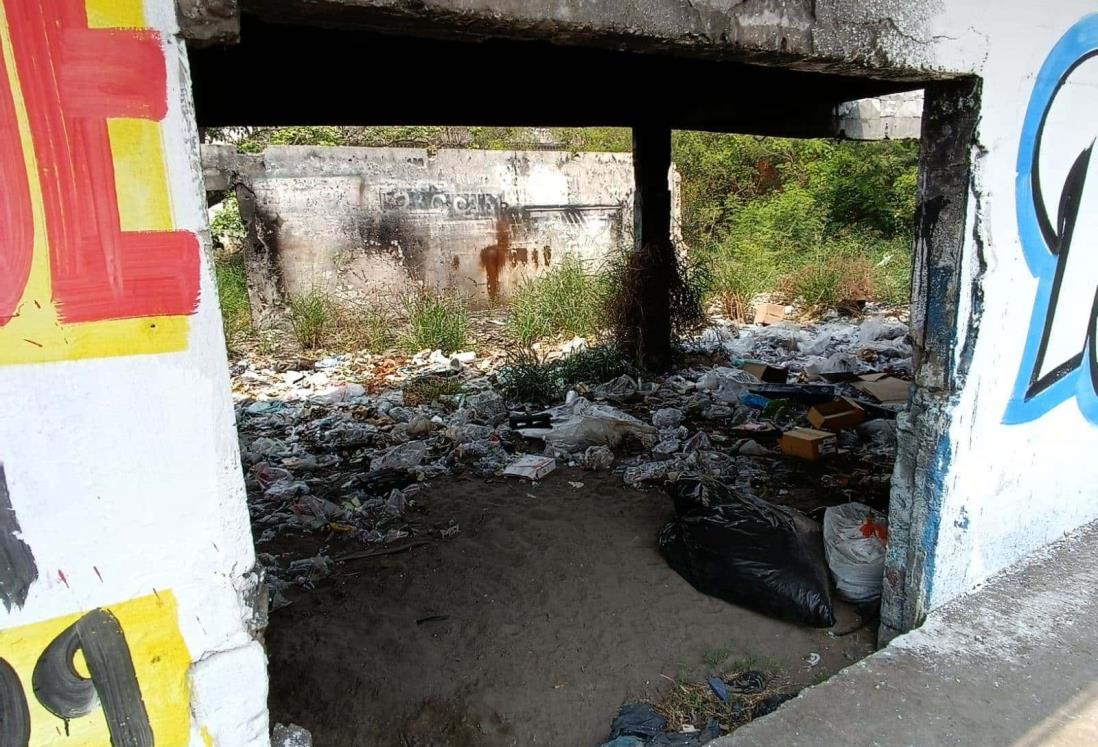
column 530, row 466
column 834, row 416
column 808, row 443
column 597, row 458
column 812, row 659
column 716, row 684
column 769, row 313
column 291, row 736
column 575, row 485
column 640, row 725
column 747, row 683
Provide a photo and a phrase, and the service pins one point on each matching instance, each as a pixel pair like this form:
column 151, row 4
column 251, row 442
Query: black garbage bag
column 747, row 551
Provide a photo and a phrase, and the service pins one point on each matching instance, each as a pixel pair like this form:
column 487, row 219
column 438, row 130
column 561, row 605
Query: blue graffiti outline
column 1080, row 41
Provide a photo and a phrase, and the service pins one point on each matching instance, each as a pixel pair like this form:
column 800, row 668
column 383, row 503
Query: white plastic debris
column 404, row 456
column 854, row 542
column 667, row 417
column 530, row 466
column 291, row 736
column 619, row 390
column 597, row 458
column 650, row 472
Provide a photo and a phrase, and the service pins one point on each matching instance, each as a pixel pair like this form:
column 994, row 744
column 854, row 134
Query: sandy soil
column 549, row 609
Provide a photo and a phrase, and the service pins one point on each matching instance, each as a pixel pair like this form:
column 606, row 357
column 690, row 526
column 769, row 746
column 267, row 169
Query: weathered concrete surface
column 894, row 117
column 835, row 35
column 206, row 22
column 1010, row 664
column 373, row 221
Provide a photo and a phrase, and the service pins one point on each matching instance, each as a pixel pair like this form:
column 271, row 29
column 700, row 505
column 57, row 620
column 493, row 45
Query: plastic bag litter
column 585, row 425
column 291, row 736
column 619, row 390
column 597, row 458
column 726, row 384
column 640, row 725
column 405, row 456
column 747, row 551
column 854, row 540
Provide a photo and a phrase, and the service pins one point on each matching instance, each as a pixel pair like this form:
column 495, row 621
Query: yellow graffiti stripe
column 115, row 14
column 140, row 177
column 160, row 660
column 36, row 334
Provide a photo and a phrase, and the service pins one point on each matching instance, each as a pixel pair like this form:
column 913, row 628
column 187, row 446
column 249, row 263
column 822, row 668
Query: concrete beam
column 430, row 81
column 209, row 22
column 812, row 35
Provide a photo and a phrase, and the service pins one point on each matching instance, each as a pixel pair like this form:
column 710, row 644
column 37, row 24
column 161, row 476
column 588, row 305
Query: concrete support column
column 646, row 328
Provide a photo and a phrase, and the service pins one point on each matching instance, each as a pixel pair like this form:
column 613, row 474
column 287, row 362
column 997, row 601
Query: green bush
column 226, row 228
column 817, row 221
column 436, row 321
column 232, row 292
column 566, row 300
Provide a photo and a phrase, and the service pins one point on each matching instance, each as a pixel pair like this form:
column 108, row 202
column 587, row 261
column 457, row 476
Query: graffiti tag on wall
column 1056, row 221
column 90, row 263
column 112, row 676
column 433, row 199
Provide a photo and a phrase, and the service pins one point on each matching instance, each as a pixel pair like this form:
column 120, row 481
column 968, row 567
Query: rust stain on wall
column 493, row 258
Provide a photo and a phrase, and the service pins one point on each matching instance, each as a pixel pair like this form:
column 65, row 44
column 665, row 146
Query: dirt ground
column 547, row 610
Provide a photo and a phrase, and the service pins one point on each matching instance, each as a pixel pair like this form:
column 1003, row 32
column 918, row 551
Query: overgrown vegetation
column 232, row 290
column 319, row 320
column 817, row 221
column 436, row 321
column 569, row 299
column 312, row 317
column 528, row 377
column 226, row 227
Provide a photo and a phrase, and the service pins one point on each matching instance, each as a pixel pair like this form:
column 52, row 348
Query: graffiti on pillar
column 91, row 264
column 1058, row 226
column 17, row 567
column 111, row 676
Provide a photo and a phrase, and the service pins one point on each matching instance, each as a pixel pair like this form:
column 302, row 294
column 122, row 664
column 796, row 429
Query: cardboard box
column 834, row 416
column 766, row 372
column 531, row 466
column 886, row 389
column 769, row 313
column 809, row 444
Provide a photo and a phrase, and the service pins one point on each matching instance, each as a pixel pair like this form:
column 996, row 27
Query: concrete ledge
column 1013, row 663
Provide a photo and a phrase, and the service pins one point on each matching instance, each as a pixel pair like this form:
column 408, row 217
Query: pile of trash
column 794, row 416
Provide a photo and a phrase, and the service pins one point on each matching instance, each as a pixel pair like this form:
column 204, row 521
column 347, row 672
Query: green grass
column 232, row 291
column 716, row 655
column 312, row 318
column 567, row 300
column 526, row 377
column 435, row 322
column 361, row 326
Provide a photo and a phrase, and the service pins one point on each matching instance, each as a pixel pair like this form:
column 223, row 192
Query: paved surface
column 1015, row 663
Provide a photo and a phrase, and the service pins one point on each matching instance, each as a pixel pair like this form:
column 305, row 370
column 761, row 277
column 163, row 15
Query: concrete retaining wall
column 375, row 222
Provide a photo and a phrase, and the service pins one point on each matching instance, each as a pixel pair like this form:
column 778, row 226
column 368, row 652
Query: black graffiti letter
column 66, row 694
column 17, row 568
column 14, row 714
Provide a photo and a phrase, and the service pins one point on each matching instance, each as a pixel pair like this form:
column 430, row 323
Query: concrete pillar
column 645, row 328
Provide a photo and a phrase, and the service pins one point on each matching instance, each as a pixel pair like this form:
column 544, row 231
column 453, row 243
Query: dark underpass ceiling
column 299, row 75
